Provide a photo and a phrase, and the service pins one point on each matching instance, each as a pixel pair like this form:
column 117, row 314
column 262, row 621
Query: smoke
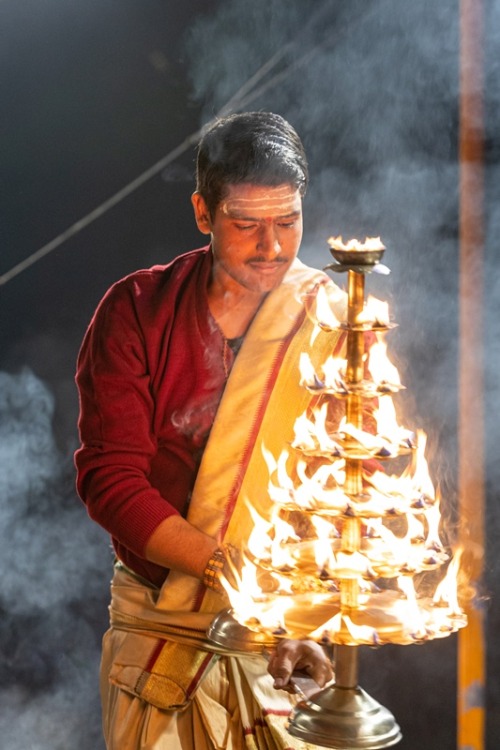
column 373, row 90
column 53, row 596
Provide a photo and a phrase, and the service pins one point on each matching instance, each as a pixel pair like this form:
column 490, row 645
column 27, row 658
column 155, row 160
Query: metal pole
column 351, row 541
column 471, row 645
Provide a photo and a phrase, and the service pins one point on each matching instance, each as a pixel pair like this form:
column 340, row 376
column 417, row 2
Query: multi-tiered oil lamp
column 369, row 534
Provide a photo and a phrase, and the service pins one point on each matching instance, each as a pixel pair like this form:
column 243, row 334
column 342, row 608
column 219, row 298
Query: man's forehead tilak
column 280, row 201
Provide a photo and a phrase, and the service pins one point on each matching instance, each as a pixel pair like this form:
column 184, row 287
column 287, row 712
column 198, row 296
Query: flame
column 325, row 315
column 385, row 375
column 387, row 425
column 281, row 557
column 326, row 307
column 333, row 374
column 269, row 540
column 308, row 377
column 433, row 518
column 421, row 477
column 323, row 552
column 375, row 313
column 361, row 633
column 447, row 590
column 328, row 628
column 259, row 541
column 414, row 486
column 337, row 563
column 370, row 243
column 256, row 611
column 414, row 613
column 323, row 489
column 334, row 370
column 379, row 365
column 311, row 433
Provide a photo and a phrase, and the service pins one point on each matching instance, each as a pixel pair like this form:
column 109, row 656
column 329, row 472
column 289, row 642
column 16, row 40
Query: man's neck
column 233, row 308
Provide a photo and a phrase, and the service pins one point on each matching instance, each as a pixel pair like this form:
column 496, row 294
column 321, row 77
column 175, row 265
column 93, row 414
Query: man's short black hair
column 260, row 148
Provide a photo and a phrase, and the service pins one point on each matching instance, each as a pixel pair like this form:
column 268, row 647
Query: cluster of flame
column 342, row 568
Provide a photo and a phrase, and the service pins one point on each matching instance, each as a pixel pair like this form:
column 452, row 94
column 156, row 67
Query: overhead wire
column 152, row 171
column 248, row 92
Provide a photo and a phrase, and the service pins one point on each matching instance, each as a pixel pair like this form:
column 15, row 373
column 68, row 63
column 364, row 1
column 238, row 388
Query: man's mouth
column 267, row 266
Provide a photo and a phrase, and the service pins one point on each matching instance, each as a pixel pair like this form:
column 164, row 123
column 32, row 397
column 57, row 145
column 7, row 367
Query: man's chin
column 267, row 279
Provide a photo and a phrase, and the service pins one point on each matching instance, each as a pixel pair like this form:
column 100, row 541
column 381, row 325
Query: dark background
column 94, row 94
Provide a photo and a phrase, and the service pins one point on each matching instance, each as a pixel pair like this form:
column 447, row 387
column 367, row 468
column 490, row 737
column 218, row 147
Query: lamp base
column 344, row 718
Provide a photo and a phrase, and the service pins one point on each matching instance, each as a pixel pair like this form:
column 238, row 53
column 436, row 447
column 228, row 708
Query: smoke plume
column 373, row 89
column 53, row 562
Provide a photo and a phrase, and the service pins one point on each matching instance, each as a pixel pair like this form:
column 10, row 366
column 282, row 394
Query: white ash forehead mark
column 284, row 204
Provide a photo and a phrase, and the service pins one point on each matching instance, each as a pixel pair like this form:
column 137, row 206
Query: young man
column 182, row 376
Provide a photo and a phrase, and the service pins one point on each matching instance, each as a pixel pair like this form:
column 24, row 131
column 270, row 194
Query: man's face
column 256, row 233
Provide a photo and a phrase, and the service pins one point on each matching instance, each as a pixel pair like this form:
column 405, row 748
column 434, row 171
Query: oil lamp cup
column 362, row 258
column 357, row 257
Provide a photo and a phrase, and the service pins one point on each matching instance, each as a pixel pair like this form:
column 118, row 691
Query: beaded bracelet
column 214, row 568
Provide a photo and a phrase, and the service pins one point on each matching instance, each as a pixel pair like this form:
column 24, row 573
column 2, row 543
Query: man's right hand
column 302, row 655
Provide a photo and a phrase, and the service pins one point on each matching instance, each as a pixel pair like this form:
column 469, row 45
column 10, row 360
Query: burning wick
column 370, row 243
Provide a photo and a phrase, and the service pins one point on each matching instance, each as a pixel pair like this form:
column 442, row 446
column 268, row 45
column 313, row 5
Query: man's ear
column 201, row 213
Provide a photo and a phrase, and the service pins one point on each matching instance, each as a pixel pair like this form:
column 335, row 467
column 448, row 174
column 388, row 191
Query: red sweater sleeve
column 116, row 421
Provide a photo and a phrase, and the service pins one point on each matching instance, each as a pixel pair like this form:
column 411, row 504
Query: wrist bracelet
column 214, row 568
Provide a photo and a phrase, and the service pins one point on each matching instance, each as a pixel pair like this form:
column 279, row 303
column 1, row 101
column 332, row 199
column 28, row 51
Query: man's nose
column 267, row 241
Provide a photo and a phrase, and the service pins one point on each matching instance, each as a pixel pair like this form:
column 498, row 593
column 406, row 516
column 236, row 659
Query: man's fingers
column 320, row 671
column 280, row 667
column 291, row 655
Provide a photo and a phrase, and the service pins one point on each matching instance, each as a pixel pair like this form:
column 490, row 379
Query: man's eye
column 245, row 227
column 287, row 224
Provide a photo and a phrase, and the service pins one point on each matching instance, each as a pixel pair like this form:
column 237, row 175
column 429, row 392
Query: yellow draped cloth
column 163, row 685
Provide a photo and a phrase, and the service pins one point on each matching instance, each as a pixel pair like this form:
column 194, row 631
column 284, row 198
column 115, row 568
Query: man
column 182, row 376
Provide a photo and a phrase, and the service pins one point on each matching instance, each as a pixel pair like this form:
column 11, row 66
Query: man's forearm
column 177, row 544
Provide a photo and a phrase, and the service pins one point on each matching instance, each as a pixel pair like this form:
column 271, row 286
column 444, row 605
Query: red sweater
column 150, row 377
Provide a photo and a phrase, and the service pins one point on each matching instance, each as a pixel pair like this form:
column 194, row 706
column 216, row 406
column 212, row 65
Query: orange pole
column 471, row 644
